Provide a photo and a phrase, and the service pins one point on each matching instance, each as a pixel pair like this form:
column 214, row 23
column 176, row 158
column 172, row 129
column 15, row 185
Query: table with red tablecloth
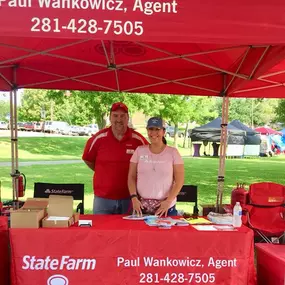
column 116, row 251
column 270, row 264
column 4, row 251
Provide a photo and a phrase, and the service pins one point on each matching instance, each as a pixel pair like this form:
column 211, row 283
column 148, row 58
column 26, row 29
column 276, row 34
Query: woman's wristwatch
column 133, row 196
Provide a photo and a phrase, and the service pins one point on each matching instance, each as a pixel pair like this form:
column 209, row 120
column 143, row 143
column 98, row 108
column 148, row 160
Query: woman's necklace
column 157, row 152
column 152, row 163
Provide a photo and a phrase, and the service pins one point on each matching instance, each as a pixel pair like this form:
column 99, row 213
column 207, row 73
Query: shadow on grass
column 55, row 146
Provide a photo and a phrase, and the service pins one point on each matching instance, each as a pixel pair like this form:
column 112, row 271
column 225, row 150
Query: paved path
column 29, row 163
column 45, row 162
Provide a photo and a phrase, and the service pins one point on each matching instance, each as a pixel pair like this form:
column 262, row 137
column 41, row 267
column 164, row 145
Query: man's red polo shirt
column 112, row 159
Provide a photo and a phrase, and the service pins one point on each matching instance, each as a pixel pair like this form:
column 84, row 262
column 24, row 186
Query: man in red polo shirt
column 108, row 154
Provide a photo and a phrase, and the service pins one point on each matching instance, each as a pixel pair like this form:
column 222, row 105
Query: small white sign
column 85, row 223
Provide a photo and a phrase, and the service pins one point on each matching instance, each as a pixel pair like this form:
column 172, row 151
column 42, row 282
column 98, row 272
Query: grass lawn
column 54, row 148
column 44, row 148
column 199, row 171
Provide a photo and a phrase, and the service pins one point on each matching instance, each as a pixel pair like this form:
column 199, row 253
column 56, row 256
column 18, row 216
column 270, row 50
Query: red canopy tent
column 212, row 48
column 267, row 131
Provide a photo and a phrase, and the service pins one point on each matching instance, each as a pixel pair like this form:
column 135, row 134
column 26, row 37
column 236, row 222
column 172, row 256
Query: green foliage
column 85, row 107
column 4, row 110
column 253, row 112
column 202, row 109
column 280, row 111
column 33, row 101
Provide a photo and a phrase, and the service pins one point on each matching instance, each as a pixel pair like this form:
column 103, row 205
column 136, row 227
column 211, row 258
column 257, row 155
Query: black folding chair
column 189, row 193
column 43, row 190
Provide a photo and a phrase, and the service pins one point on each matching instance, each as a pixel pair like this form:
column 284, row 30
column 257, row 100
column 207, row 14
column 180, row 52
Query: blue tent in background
column 251, row 136
column 279, row 141
column 211, row 132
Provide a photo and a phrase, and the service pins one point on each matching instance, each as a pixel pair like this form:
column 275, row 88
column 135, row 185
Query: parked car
column 89, row 130
column 21, row 126
column 29, row 126
column 169, row 132
column 66, row 130
column 3, row 125
column 39, row 126
column 75, row 130
column 54, row 126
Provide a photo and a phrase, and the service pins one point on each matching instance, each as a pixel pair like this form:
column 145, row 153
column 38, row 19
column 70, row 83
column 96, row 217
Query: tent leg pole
column 14, row 143
column 223, row 149
column 13, row 148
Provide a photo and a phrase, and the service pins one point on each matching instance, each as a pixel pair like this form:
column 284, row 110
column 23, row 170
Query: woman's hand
column 163, row 208
column 137, row 207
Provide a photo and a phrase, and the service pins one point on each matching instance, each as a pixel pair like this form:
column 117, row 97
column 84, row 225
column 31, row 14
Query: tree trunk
column 102, row 122
column 175, row 134
column 185, row 136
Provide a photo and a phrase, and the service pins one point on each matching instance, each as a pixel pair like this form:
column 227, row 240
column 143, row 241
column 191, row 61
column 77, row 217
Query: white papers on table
column 204, row 227
column 222, row 219
column 55, row 218
column 214, row 228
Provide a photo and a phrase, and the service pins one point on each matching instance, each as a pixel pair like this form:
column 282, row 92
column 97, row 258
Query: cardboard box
column 60, row 207
column 36, row 203
column 26, row 218
column 30, row 215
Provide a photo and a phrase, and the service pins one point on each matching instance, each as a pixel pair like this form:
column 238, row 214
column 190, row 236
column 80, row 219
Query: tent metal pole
column 16, row 130
column 14, row 141
column 12, row 144
column 223, row 150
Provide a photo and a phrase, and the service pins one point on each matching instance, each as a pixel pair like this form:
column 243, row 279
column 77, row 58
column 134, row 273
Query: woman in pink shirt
column 156, row 174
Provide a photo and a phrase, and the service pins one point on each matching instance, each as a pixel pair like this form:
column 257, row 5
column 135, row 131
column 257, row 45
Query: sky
column 5, row 96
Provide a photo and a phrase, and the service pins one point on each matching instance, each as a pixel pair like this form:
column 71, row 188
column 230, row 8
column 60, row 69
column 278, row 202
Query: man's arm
column 90, row 164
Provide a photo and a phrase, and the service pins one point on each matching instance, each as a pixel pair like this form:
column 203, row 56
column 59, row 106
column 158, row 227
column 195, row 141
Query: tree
column 4, row 110
column 252, row 112
column 83, row 107
column 280, row 111
column 174, row 109
column 265, row 113
column 202, row 109
column 32, row 104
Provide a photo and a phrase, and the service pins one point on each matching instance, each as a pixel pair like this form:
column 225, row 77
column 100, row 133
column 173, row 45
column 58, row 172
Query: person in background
column 108, row 154
column 156, row 174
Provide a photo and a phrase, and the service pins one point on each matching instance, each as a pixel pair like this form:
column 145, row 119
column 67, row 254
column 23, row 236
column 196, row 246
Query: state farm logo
column 63, row 263
column 58, row 191
column 57, row 280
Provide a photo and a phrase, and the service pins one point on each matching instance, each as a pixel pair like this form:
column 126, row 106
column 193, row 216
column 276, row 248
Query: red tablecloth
column 4, row 251
column 270, row 264
column 116, row 251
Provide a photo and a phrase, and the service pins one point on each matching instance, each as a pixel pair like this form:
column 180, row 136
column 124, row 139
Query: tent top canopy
column 257, row 22
column 215, row 125
column 238, row 124
column 267, row 131
column 171, row 47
